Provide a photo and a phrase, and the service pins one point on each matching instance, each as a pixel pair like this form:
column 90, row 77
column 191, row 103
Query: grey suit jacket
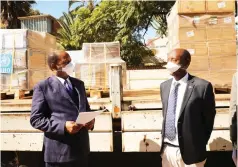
column 196, row 118
column 51, row 108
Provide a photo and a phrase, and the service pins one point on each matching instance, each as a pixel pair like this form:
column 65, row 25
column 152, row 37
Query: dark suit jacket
column 196, row 118
column 51, row 108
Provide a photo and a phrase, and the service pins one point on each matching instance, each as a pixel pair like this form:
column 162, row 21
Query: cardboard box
column 215, row 33
column 189, row 20
column 201, row 74
column 189, row 6
column 199, row 63
column 220, row 6
column 23, row 38
column 221, row 19
column 222, row 48
column 96, row 75
column 222, row 78
column 189, row 34
column 222, row 63
column 19, row 57
column 22, row 79
column 194, row 48
column 37, row 59
column 101, row 52
column 201, row 20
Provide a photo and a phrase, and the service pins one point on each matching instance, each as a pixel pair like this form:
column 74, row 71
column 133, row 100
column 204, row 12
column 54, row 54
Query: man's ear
column 53, row 67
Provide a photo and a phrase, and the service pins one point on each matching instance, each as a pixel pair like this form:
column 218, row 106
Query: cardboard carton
column 220, row 6
column 199, row 63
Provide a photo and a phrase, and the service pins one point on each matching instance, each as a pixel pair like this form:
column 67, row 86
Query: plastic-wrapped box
column 24, row 57
column 22, row 79
column 94, row 70
column 101, row 52
column 97, row 75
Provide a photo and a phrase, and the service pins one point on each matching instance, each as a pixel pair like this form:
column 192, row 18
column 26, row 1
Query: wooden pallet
column 97, row 93
column 16, row 94
column 222, row 90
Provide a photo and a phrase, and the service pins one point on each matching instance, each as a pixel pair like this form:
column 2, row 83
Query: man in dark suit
column 233, row 117
column 188, row 112
column 56, row 104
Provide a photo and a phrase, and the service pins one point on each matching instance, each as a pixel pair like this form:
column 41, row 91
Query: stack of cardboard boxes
column 206, row 28
column 24, row 58
column 95, row 69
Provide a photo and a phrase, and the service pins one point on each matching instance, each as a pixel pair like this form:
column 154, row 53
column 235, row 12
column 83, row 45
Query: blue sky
column 56, row 8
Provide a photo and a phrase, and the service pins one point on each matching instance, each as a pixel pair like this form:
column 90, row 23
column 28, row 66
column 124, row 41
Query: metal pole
column 116, row 89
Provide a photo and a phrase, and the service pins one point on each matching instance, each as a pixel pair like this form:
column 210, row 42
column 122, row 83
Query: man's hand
column 71, row 127
column 90, row 124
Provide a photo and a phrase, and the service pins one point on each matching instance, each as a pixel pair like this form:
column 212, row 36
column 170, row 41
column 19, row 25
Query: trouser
column 171, row 157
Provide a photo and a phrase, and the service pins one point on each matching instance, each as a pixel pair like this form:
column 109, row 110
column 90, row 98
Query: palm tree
column 89, row 3
column 64, row 35
column 11, row 10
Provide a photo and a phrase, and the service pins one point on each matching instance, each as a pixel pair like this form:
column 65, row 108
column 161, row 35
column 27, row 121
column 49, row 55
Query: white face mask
column 69, row 69
column 172, row 67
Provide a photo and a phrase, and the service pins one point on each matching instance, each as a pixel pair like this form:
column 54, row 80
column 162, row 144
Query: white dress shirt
column 63, row 80
column 181, row 91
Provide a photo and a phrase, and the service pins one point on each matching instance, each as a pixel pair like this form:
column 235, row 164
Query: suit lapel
column 78, row 89
column 166, row 95
column 188, row 92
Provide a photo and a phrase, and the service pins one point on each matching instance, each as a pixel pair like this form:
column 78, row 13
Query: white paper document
column 85, row 117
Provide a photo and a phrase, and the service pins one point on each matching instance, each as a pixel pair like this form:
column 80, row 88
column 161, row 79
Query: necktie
column 68, row 87
column 170, row 131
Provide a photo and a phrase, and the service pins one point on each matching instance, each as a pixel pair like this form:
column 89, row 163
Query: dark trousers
column 81, row 163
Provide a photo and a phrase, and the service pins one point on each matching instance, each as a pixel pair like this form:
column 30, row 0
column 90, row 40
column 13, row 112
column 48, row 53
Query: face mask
column 172, row 67
column 69, row 69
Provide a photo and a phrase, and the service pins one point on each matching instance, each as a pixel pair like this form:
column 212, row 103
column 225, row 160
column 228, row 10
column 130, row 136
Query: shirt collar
column 182, row 80
column 62, row 80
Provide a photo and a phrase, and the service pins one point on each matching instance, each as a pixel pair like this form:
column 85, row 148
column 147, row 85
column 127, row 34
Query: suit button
column 180, row 137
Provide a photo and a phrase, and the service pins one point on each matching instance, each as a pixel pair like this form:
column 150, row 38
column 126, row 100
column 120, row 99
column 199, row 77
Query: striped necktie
column 170, row 130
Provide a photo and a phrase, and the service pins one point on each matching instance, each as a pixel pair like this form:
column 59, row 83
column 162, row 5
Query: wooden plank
column 151, row 120
column 20, row 123
column 96, row 93
column 99, row 142
column 151, row 141
column 221, row 99
column 142, row 92
column 25, row 105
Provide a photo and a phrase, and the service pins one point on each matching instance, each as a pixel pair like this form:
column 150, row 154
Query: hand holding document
column 85, row 117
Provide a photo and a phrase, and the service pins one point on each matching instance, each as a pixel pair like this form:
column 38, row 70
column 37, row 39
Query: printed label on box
column 221, row 4
column 191, row 51
column 6, row 63
column 190, row 33
column 227, row 20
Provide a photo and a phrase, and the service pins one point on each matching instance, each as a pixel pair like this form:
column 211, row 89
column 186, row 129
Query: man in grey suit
column 56, row 104
column 188, row 112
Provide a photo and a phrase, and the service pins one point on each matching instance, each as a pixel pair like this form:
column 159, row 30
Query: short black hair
column 185, row 58
column 52, row 59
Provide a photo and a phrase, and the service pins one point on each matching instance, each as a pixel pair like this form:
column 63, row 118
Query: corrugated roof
column 36, row 16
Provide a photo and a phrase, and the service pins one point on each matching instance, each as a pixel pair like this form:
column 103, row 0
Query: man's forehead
column 176, row 53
